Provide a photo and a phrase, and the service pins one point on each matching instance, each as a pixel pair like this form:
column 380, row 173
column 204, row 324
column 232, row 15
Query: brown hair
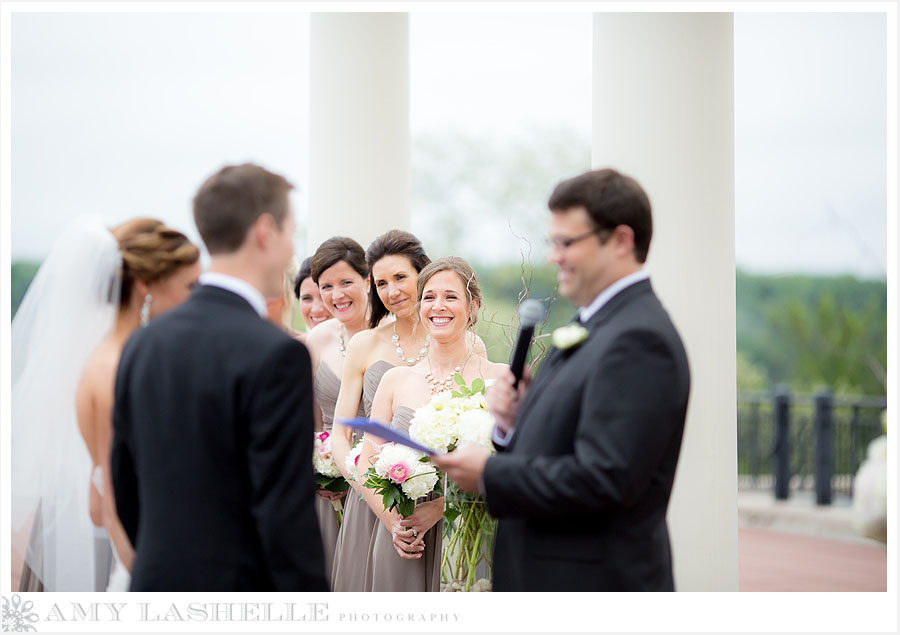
column 231, row 200
column 150, row 251
column 611, row 199
column 333, row 251
column 393, row 243
column 304, row 273
column 465, row 272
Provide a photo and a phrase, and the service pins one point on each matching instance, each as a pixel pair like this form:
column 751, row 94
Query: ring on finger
column 415, row 532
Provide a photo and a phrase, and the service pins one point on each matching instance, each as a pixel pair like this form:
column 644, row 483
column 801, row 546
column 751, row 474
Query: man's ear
column 262, row 229
column 624, row 237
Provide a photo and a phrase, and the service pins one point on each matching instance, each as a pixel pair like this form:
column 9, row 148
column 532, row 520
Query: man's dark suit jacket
column 582, row 489
column 212, row 452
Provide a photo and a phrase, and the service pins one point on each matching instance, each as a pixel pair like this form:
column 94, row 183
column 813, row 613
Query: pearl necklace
column 435, row 386
column 341, row 342
column 409, row 360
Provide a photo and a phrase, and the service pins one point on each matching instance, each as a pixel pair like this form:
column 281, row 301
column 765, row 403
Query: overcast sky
column 125, row 114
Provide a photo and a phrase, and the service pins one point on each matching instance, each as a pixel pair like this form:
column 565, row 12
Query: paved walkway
column 778, row 561
column 795, row 545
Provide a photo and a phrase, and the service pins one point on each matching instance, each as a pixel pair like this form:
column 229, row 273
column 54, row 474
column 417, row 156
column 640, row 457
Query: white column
column 663, row 113
column 359, row 126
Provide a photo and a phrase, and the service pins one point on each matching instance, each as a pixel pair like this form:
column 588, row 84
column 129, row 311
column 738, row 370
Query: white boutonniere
column 569, row 336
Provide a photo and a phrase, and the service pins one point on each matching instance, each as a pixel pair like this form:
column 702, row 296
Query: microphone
column 531, row 312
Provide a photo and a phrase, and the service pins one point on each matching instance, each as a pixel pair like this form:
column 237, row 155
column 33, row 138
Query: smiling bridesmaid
column 307, row 292
column 405, row 553
column 339, row 270
column 394, row 259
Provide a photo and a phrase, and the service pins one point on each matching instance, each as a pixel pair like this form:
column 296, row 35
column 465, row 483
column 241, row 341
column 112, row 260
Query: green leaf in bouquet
column 478, row 385
column 459, row 379
column 388, row 498
column 338, row 484
column 322, row 481
column 406, row 507
column 450, row 514
column 424, row 459
column 456, row 395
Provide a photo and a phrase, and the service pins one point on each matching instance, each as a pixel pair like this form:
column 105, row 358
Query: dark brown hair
column 333, row 251
column 231, row 200
column 465, row 272
column 304, row 273
column 393, row 243
column 150, row 251
column 611, row 199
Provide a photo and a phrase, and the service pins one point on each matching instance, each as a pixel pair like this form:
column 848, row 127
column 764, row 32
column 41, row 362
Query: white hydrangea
column 421, row 482
column 433, row 428
column 437, row 424
column 422, row 476
column 441, row 400
column 393, row 453
column 475, row 427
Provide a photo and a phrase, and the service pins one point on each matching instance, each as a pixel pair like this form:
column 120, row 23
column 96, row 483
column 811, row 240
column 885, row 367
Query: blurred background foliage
column 803, row 331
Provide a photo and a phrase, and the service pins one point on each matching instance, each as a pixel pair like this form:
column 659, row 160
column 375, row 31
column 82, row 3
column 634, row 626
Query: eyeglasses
column 565, row 243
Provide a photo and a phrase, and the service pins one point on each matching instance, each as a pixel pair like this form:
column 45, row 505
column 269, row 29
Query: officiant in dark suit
column 588, row 451
column 213, row 416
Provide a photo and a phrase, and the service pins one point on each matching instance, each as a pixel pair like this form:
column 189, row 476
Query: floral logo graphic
column 17, row 615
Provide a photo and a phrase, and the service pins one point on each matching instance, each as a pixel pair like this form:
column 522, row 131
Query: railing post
column 854, row 442
column 782, row 450
column 754, row 442
column 824, row 463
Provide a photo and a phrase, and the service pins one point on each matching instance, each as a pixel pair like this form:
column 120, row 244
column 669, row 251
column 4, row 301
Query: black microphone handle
column 517, row 365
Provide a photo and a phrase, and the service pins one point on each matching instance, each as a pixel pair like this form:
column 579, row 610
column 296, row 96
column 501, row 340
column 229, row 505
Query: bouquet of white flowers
column 328, row 476
column 454, row 419
column 401, row 475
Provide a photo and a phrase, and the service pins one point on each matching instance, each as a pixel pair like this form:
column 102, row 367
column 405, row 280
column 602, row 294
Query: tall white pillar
column 663, row 112
column 359, row 126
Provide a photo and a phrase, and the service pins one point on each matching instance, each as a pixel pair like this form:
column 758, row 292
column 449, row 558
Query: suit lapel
column 558, row 357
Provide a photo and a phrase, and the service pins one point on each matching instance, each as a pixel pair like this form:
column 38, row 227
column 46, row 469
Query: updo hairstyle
column 151, row 251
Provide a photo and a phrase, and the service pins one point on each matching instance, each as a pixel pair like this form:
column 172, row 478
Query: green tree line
column 800, row 330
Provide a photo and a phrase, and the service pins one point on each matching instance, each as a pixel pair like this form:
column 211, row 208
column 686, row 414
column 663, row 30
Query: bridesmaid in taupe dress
column 394, row 259
column 406, row 552
column 339, row 269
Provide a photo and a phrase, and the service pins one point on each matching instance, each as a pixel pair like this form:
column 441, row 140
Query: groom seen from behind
column 213, row 414
column 582, row 485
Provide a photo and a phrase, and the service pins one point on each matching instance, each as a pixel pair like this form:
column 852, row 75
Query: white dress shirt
column 240, row 287
column 585, row 313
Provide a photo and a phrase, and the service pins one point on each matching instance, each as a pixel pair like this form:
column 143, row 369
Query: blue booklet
column 385, row 432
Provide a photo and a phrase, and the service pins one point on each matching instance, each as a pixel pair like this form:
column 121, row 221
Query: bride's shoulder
column 102, row 364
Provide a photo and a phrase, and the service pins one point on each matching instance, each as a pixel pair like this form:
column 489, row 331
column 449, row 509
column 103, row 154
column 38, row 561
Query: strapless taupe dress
column 390, row 572
column 327, row 387
column 353, row 557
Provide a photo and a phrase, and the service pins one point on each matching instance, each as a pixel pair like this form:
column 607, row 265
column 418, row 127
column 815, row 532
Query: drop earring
column 145, row 310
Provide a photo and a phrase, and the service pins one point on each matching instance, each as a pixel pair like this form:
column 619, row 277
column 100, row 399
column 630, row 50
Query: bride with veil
column 74, row 304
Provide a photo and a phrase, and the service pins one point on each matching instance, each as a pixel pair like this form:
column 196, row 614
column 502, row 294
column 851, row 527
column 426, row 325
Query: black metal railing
column 804, row 441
